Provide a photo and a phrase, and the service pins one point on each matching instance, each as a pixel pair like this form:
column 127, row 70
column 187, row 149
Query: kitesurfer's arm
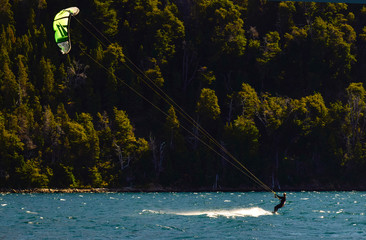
column 279, row 197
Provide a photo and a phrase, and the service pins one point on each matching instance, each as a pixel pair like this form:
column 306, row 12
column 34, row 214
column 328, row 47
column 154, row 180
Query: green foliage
column 311, row 113
column 171, row 30
column 106, row 17
column 294, row 74
column 220, row 26
column 207, row 104
column 274, row 111
column 8, row 88
column 172, row 122
column 353, row 123
column 271, row 48
column 206, row 76
column 34, row 175
column 6, row 14
column 249, row 101
column 8, row 39
column 123, row 127
column 63, row 177
column 113, row 55
column 126, row 146
column 286, row 12
column 11, row 157
column 363, row 34
column 47, row 80
column 154, row 73
column 153, row 27
column 244, row 136
column 23, row 80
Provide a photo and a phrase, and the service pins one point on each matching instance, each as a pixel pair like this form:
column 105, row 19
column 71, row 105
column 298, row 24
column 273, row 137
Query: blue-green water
column 306, row 215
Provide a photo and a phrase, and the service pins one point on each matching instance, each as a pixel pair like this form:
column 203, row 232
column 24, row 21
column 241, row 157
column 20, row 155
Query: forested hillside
column 278, row 84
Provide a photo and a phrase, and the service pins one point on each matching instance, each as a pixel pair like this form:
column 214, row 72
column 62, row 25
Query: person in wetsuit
column 281, row 204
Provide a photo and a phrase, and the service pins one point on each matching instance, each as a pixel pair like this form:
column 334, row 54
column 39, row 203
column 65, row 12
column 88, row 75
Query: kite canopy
column 61, row 25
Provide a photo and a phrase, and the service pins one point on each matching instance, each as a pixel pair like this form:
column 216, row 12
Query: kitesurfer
column 281, row 204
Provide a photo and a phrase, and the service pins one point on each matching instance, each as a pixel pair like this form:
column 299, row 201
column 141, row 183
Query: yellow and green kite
column 61, row 25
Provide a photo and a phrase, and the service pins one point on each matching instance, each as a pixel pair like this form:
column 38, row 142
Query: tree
column 26, row 128
column 9, row 87
column 219, row 27
column 249, row 101
column 268, row 64
column 34, row 174
column 62, row 154
column 11, row 157
column 286, row 10
column 354, row 125
column 207, row 105
column 271, row 47
column 311, row 113
column 309, row 139
column 113, row 59
column 83, row 147
column 154, row 27
column 107, row 165
column 106, row 17
column 172, row 125
column 273, row 113
column 168, row 150
column 25, row 87
column 126, row 146
column 153, row 73
column 52, row 131
column 320, row 53
column 92, row 150
column 47, row 81
column 8, row 41
column 6, row 14
column 279, row 69
column 242, row 140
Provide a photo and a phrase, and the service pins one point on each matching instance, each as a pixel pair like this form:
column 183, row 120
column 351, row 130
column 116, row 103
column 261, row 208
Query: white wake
column 233, row 213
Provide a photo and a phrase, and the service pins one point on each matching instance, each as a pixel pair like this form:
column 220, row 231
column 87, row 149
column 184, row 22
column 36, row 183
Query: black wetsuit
column 282, row 203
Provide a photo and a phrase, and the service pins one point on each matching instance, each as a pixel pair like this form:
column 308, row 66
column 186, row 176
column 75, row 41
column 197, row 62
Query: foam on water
column 232, row 213
column 150, row 211
column 29, row 212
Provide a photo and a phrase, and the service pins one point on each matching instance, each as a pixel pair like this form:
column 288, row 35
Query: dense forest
column 277, row 84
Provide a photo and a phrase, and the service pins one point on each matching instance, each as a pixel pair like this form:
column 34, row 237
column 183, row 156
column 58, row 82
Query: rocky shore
column 158, row 188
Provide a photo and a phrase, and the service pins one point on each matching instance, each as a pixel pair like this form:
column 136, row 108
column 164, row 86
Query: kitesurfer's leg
column 276, row 208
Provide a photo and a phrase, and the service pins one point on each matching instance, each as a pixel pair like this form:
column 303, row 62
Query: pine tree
column 9, row 88
column 6, row 14
column 47, row 69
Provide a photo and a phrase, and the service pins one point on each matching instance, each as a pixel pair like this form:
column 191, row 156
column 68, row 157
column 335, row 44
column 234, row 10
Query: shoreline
column 172, row 189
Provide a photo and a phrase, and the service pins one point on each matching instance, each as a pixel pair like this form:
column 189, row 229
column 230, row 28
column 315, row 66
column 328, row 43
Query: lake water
column 306, row 215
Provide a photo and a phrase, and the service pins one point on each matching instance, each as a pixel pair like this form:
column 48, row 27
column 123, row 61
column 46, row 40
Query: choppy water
column 307, row 215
